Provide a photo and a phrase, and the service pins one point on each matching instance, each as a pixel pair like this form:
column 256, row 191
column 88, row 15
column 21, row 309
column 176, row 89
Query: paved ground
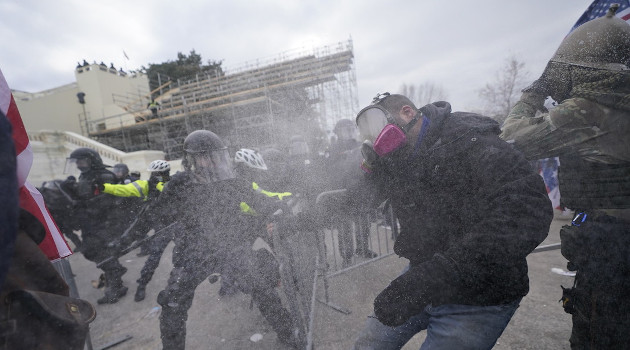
column 228, row 323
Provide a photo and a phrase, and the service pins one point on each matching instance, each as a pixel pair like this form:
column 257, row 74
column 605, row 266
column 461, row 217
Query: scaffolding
column 257, row 105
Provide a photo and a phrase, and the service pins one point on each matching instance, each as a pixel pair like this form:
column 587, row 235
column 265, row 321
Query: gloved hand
column 399, row 302
column 99, row 187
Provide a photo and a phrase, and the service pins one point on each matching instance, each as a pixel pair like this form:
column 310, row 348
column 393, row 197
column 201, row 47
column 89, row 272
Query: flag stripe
column 53, row 245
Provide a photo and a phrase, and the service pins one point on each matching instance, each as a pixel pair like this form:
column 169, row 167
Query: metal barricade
column 65, row 270
column 297, row 254
column 309, row 258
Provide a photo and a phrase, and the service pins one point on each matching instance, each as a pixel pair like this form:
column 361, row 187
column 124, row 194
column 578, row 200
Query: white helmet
column 251, row 158
column 159, row 165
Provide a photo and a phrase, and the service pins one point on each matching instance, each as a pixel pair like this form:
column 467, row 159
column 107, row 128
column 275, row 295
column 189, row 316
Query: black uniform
column 99, row 218
column 216, row 238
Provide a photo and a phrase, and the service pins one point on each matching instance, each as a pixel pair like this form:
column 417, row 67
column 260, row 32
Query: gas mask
column 382, row 135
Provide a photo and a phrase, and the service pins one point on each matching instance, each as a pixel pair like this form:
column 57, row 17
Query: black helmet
column 207, row 157
column 84, row 159
column 201, row 141
column 345, row 129
column 120, row 170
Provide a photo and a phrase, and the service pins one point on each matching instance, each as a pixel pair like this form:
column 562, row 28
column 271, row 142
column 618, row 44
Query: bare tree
column 501, row 95
column 424, row 93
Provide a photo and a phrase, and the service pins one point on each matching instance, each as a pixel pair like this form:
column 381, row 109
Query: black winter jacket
column 470, row 208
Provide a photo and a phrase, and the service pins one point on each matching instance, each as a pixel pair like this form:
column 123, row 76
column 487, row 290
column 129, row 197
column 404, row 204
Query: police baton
column 136, row 244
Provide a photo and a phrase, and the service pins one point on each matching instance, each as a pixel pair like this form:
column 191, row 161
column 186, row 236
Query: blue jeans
column 448, row 327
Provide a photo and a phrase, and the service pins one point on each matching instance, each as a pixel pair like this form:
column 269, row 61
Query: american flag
column 548, row 169
column 53, row 245
column 599, row 8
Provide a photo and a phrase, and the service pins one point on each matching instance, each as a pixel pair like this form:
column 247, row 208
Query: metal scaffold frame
column 256, row 105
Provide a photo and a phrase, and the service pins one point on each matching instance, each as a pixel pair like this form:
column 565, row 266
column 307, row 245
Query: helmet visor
column 76, row 165
column 212, row 166
column 371, row 120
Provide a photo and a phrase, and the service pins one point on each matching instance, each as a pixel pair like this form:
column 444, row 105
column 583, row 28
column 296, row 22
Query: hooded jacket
column 470, row 208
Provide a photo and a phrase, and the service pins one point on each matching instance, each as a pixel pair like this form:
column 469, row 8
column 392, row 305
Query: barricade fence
column 339, row 244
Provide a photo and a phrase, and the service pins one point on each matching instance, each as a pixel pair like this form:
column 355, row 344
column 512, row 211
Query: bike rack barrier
column 65, row 270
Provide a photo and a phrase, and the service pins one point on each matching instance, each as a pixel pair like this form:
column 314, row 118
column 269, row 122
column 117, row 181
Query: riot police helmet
column 121, row 171
column 206, row 156
column 84, row 159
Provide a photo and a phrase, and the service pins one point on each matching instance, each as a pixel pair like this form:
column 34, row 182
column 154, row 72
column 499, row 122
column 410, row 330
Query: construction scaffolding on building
column 257, row 105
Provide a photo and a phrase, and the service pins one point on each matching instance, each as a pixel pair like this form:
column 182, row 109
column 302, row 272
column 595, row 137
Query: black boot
column 140, row 293
column 114, row 289
column 112, row 295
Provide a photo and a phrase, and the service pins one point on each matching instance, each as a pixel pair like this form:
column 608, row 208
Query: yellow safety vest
column 138, row 188
column 246, row 209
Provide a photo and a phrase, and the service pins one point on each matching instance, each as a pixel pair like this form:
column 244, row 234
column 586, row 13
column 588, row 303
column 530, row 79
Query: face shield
column 211, row 166
column 77, row 165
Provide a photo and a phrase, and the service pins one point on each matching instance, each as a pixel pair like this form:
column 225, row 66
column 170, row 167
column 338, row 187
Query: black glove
column 399, row 302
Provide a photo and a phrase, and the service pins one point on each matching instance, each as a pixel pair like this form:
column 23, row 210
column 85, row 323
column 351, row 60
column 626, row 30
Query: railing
column 74, row 140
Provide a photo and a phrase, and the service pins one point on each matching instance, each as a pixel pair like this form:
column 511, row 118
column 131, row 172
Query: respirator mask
column 382, row 135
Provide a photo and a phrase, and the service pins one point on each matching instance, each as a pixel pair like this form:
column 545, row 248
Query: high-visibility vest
column 246, row 209
column 138, row 188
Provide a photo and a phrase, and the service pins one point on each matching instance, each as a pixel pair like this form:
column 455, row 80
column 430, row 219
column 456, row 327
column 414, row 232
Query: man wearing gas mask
column 216, row 237
column 470, row 210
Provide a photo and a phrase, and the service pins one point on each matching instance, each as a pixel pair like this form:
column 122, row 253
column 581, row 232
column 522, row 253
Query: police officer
column 250, row 166
column 99, row 218
column 216, row 237
column 122, row 173
column 147, row 190
column 590, row 78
